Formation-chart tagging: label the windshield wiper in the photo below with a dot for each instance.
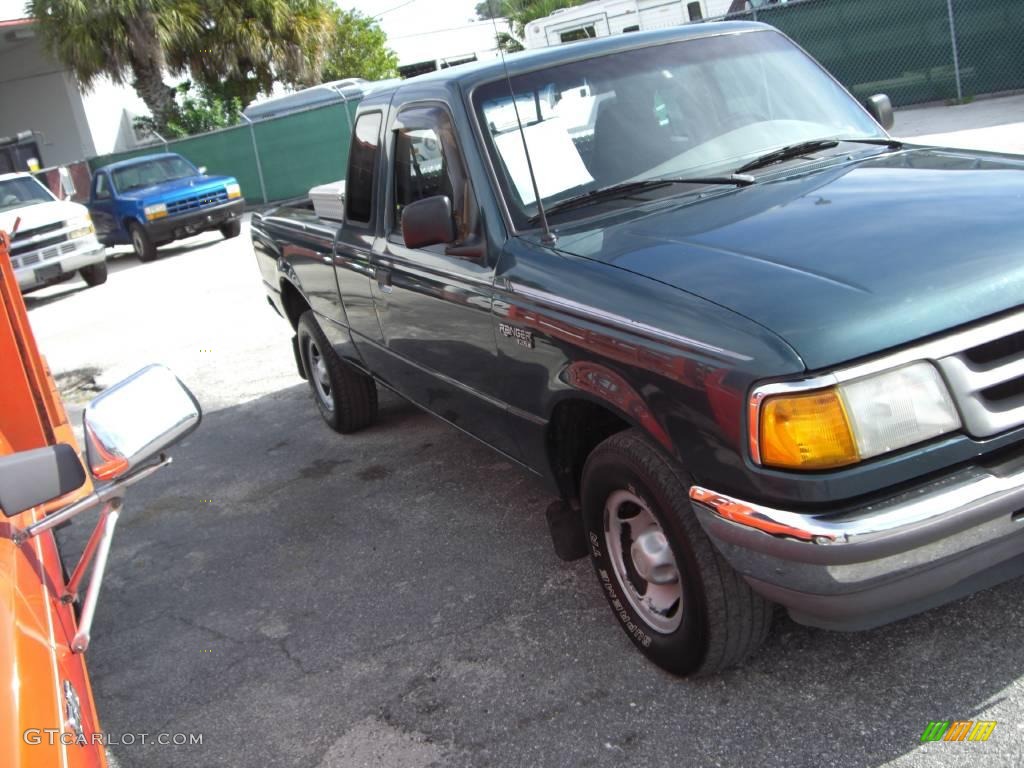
(785, 153)
(616, 190)
(885, 142)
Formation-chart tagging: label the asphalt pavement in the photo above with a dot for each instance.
(294, 597)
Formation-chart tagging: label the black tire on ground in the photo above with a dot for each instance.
(231, 229)
(142, 243)
(94, 274)
(346, 397)
(632, 490)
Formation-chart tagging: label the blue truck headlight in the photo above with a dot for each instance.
(233, 190)
(157, 211)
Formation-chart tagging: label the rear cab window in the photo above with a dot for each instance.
(361, 180)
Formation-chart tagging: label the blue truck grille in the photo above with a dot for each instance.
(197, 202)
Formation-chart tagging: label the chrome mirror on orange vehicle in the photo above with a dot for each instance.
(136, 419)
(127, 428)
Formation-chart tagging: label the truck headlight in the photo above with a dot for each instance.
(80, 227)
(234, 190)
(157, 211)
(854, 420)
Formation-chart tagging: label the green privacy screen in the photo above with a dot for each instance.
(904, 48)
(296, 152)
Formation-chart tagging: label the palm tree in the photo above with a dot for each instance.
(244, 47)
(123, 39)
(232, 47)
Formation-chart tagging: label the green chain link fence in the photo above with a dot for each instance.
(273, 160)
(913, 50)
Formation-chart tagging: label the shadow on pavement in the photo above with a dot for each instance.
(293, 594)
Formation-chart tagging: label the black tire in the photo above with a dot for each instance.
(721, 620)
(142, 243)
(346, 397)
(231, 229)
(94, 274)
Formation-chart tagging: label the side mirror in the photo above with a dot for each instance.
(428, 222)
(202, 170)
(136, 419)
(31, 478)
(881, 109)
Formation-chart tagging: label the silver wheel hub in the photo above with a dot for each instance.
(321, 378)
(643, 562)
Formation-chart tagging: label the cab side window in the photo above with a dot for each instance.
(420, 168)
(428, 164)
(102, 187)
(362, 167)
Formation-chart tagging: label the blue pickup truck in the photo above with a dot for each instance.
(150, 201)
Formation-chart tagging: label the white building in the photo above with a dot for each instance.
(37, 94)
(613, 17)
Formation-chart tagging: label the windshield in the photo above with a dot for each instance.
(153, 172)
(15, 193)
(690, 108)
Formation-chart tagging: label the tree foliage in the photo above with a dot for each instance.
(243, 48)
(199, 110)
(232, 48)
(520, 13)
(358, 48)
(488, 9)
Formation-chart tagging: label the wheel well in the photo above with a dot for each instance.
(293, 302)
(576, 428)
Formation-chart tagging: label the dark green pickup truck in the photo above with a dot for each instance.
(764, 352)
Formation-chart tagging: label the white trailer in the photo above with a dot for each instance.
(614, 17)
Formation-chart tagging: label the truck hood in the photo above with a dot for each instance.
(841, 262)
(177, 189)
(41, 214)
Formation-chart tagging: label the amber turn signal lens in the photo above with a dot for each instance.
(806, 431)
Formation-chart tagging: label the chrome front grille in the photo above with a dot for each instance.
(986, 377)
(196, 202)
(44, 254)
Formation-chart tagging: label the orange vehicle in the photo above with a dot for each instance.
(47, 711)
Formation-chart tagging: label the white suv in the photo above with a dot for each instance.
(55, 238)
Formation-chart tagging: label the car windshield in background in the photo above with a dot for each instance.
(152, 172)
(692, 108)
(14, 193)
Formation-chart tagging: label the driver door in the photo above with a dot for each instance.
(101, 208)
(434, 302)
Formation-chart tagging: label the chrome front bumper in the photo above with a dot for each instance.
(879, 562)
(87, 251)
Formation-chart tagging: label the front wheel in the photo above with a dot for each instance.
(231, 229)
(345, 397)
(142, 243)
(94, 274)
(679, 601)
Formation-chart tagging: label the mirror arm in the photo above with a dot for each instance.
(98, 548)
(473, 248)
(113, 490)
